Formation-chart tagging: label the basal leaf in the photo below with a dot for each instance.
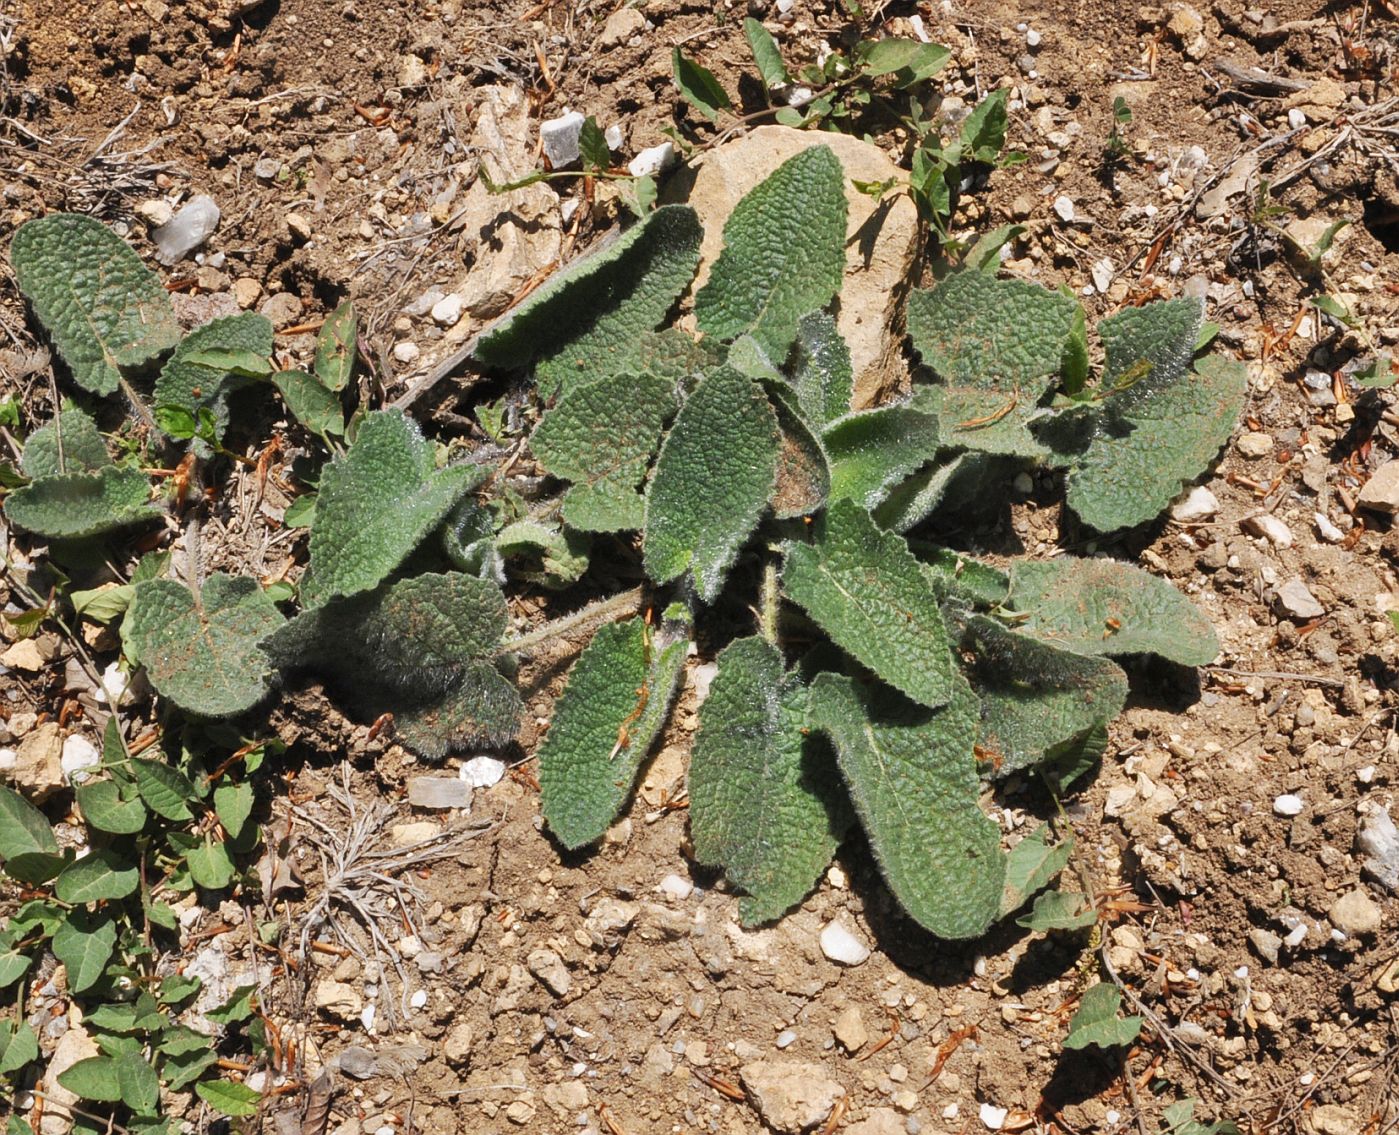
(1101, 606)
(561, 556)
(482, 708)
(698, 86)
(765, 54)
(764, 799)
(23, 828)
(713, 479)
(376, 505)
(863, 588)
(202, 651)
(18, 1047)
(69, 443)
(104, 308)
(96, 876)
(907, 505)
(1148, 348)
(961, 577)
(909, 60)
(1032, 865)
(913, 778)
(1096, 1022)
(591, 320)
(137, 1084)
(13, 966)
(784, 254)
(77, 505)
(872, 451)
(84, 942)
(335, 348)
(602, 436)
(315, 406)
(823, 376)
(189, 383)
(603, 727)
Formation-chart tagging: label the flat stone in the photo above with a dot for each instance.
(567, 1098)
(1355, 912)
(620, 27)
(551, 972)
(1266, 943)
(446, 311)
(483, 772)
(1296, 601)
(790, 1095)
(338, 1000)
(1268, 526)
(24, 655)
(457, 1045)
(849, 1029)
(1377, 840)
(1333, 1119)
(1327, 530)
(73, 1045)
(37, 772)
(559, 138)
(246, 291)
(283, 309)
(1199, 504)
(1288, 804)
(439, 792)
(406, 835)
(881, 246)
(1381, 491)
(1254, 444)
(880, 1121)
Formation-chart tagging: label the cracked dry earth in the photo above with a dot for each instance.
(1236, 825)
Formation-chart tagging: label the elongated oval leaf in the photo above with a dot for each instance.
(96, 876)
(233, 804)
(764, 799)
(137, 1083)
(1059, 910)
(482, 708)
(765, 54)
(69, 443)
(228, 1098)
(823, 375)
(913, 778)
(335, 347)
(76, 505)
(104, 308)
(784, 254)
(713, 479)
(864, 588)
(192, 379)
(1032, 865)
(93, 1079)
(872, 451)
(803, 471)
(23, 828)
(310, 403)
(165, 789)
(209, 864)
(698, 85)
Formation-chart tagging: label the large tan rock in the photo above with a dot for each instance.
(881, 238)
(74, 1045)
(37, 772)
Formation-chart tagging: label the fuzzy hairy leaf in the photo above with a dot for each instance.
(104, 308)
(986, 420)
(784, 254)
(1148, 348)
(377, 503)
(591, 319)
(907, 505)
(1140, 458)
(962, 577)
(187, 382)
(863, 587)
(202, 652)
(1100, 606)
(68, 443)
(872, 451)
(76, 505)
(602, 436)
(713, 479)
(603, 727)
(1035, 696)
(823, 375)
(562, 556)
(764, 798)
(1096, 1022)
(913, 778)
(483, 709)
(803, 472)
(674, 355)
(1032, 865)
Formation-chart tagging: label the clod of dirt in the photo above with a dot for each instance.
(1297, 602)
(849, 1029)
(24, 655)
(1333, 1119)
(881, 1121)
(336, 999)
(458, 1045)
(1355, 913)
(1254, 445)
(790, 1095)
(882, 238)
(549, 968)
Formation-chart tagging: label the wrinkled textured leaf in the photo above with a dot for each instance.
(104, 308)
(784, 254)
(82, 504)
(96, 876)
(603, 727)
(376, 504)
(189, 384)
(803, 473)
(1032, 865)
(1096, 1022)
(69, 443)
(1059, 910)
(912, 776)
(713, 479)
(602, 436)
(764, 798)
(482, 709)
(872, 451)
(562, 556)
(84, 942)
(909, 504)
(1163, 439)
(335, 348)
(863, 587)
(1035, 696)
(1148, 348)
(202, 651)
(310, 403)
(1100, 606)
(591, 319)
(823, 375)
(964, 578)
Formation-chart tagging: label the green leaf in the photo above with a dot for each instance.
(1096, 1022)
(82, 504)
(803, 475)
(602, 436)
(105, 811)
(872, 451)
(1032, 865)
(964, 578)
(909, 504)
(1148, 348)
(188, 382)
(376, 505)
(335, 349)
(210, 865)
(482, 709)
(102, 604)
(137, 1083)
(1059, 910)
(766, 54)
(863, 588)
(913, 778)
(984, 131)
(202, 651)
(239, 1007)
(1138, 463)
(96, 876)
(1379, 374)
(104, 309)
(1034, 696)
(615, 702)
(84, 942)
(592, 319)
(764, 801)
(165, 789)
(592, 143)
(233, 804)
(23, 828)
(823, 376)
(784, 254)
(69, 443)
(713, 479)
(228, 1098)
(17, 1048)
(562, 555)
(35, 868)
(313, 405)
(1102, 606)
(908, 60)
(93, 1079)
(1074, 367)
(13, 966)
(698, 86)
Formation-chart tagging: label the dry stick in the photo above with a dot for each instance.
(1279, 676)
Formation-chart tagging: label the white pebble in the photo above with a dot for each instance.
(613, 137)
(676, 886)
(1032, 38)
(419, 999)
(840, 945)
(1366, 774)
(559, 137)
(1326, 530)
(406, 352)
(1288, 804)
(1269, 527)
(1299, 932)
(447, 310)
(1102, 273)
(652, 160)
(366, 1018)
(951, 1111)
(79, 755)
(1112, 1117)
(800, 96)
(1197, 505)
(1064, 207)
(785, 1038)
(482, 772)
(186, 230)
(994, 1117)
(1296, 119)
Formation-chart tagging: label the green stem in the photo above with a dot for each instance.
(605, 610)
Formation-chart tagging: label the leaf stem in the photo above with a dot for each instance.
(605, 610)
(767, 624)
